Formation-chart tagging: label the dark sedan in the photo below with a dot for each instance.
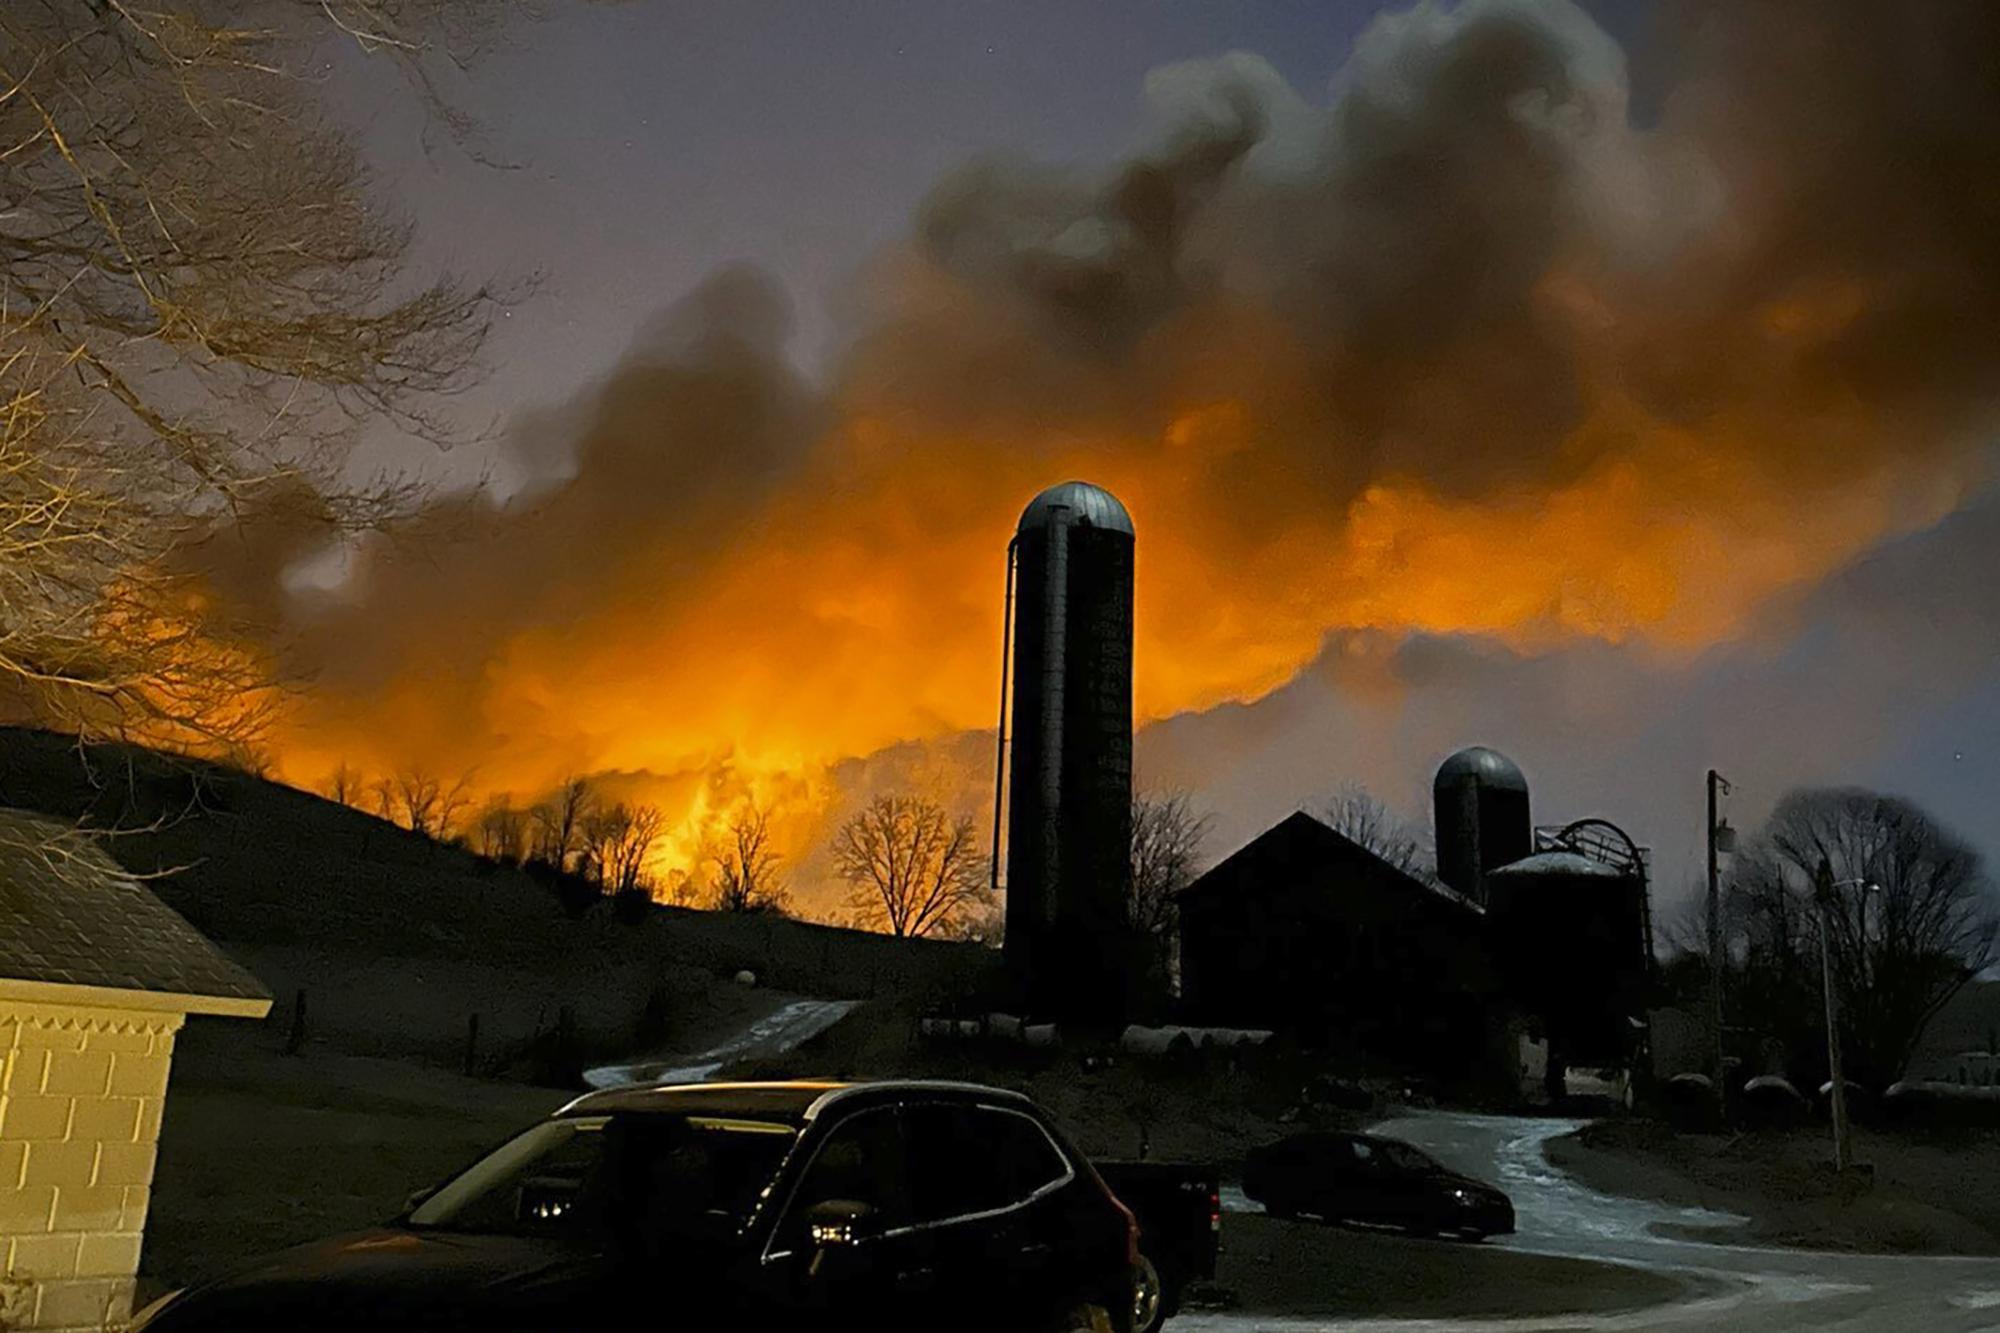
(1363, 1178)
(749, 1206)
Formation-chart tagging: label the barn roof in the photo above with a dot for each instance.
(70, 917)
(1301, 835)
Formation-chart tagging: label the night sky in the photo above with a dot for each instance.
(630, 151)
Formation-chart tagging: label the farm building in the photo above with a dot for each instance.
(96, 977)
(1528, 932)
(1307, 931)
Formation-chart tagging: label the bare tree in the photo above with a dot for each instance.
(559, 821)
(909, 866)
(343, 785)
(615, 843)
(1356, 815)
(743, 868)
(424, 803)
(198, 301)
(680, 888)
(1167, 837)
(1912, 918)
(247, 755)
(382, 794)
(643, 826)
(503, 832)
(598, 833)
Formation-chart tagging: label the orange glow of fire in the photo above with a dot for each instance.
(862, 608)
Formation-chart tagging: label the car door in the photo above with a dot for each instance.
(1316, 1167)
(1364, 1192)
(985, 1184)
(878, 1280)
(1395, 1192)
(1410, 1182)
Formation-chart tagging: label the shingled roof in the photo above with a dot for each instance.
(70, 917)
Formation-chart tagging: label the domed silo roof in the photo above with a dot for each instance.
(1090, 504)
(1481, 767)
(1557, 863)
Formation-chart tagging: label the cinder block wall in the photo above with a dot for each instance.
(80, 1098)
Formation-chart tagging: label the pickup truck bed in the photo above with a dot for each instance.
(1179, 1209)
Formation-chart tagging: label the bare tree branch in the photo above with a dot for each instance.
(558, 824)
(199, 302)
(911, 868)
(1167, 837)
(423, 803)
(744, 869)
(1356, 815)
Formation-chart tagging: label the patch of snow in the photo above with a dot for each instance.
(779, 1031)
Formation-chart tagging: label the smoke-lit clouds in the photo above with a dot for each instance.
(1451, 384)
(1883, 657)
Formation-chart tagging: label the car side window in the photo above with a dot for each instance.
(863, 1159)
(1363, 1154)
(974, 1159)
(1026, 1160)
(1408, 1160)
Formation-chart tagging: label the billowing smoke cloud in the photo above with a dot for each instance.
(1456, 367)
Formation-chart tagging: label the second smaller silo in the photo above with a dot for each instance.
(1480, 798)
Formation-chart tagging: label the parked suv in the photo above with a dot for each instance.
(904, 1205)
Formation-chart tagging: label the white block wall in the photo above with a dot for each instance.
(80, 1097)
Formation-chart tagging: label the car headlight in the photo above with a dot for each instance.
(1465, 1197)
(152, 1311)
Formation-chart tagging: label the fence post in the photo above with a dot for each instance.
(471, 1044)
(296, 1038)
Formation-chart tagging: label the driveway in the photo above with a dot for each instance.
(1748, 1287)
(774, 1034)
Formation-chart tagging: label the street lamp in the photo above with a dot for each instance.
(1824, 885)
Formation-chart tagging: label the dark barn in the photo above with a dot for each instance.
(1545, 932)
(1307, 931)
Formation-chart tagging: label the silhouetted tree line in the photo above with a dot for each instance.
(579, 845)
(1912, 917)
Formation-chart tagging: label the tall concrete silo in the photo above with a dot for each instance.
(1069, 744)
(1483, 821)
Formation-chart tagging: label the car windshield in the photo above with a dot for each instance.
(595, 1178)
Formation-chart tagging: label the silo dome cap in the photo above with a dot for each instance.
(1089, 504)
(1483, 767)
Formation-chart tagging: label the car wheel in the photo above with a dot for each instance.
(1149, 1297)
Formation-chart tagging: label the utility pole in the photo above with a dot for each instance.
(1823, 896)
(1716, 783)
(1824, 887)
